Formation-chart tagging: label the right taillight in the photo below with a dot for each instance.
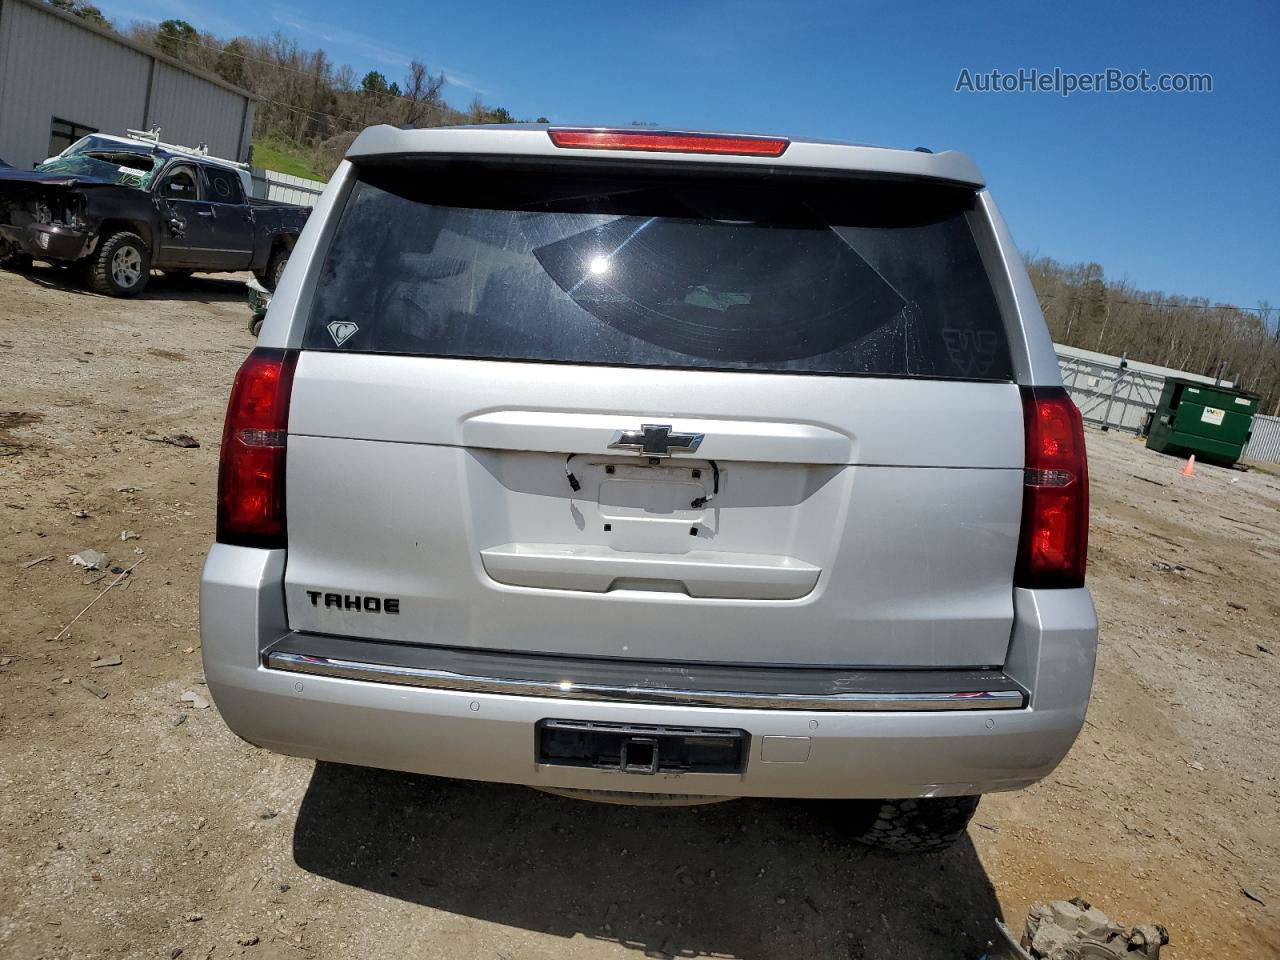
(251, 467)
(1055, 497)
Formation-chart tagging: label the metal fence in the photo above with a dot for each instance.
(1109, 391)
(269, 185)
(1115, 393)
(1264, 444)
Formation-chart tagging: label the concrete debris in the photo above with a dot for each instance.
(1252, 896)
(197, 702)
(249, 940)
(5, 661)
(1195, 765)
(129, 535)
(1075, 930)
(93, 688)
(112, 661)
(194, 917)
(81, 514)
(180, 719)
(89, 559)
(128, 488)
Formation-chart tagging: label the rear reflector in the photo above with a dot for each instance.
(1055, 500)
(252, 462)
(652, 142)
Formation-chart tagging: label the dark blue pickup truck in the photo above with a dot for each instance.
(119, 209)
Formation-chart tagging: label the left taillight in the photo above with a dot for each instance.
(251, 467)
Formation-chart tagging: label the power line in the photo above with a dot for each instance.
(1166, 306)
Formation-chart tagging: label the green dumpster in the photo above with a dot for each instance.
(1211, 422)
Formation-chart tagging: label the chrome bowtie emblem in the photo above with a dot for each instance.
(655, 440)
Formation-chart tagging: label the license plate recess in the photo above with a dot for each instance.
(641, 748)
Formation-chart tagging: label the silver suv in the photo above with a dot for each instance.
(657, 466)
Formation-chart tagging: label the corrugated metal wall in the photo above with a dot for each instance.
(1264, 444)
(1108, 395)
(270, 185)
(51, 68)
(191, 110)
(53, 65)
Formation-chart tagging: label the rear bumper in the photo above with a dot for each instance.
(491, 735)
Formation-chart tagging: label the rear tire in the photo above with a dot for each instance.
(121, 266)
(270, 277)
(917, 825)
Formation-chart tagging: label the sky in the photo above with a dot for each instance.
(1170, 191)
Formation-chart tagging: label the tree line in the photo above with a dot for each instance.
(1084, 309)
(304, 97)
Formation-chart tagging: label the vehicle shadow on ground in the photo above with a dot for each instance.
(200, 289)
(748, 878)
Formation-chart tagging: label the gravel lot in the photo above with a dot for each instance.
(134, 825)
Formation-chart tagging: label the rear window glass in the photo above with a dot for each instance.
(728, 273)
(224, 186)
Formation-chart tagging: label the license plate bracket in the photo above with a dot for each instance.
(641, 749)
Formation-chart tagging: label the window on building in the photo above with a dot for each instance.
(63, 133)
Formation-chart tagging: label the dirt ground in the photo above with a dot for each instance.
(136, 826)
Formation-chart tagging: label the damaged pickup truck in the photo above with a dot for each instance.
(117, 209)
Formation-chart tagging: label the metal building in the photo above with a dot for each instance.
(61, 78)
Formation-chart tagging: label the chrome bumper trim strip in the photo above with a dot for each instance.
(568, 690)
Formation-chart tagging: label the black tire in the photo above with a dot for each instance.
(121, 265)
(11, 258)
(255, 325)
(275, 267)
(921, 825)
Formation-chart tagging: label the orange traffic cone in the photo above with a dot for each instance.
(1190, 469)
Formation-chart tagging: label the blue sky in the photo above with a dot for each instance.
(1172, 191)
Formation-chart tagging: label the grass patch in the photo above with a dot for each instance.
(284, 156)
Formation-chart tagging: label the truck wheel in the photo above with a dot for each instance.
(121, 266)
(11, 258)
(919, 825)
(270, 277)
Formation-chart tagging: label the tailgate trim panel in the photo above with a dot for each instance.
(646, 682)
